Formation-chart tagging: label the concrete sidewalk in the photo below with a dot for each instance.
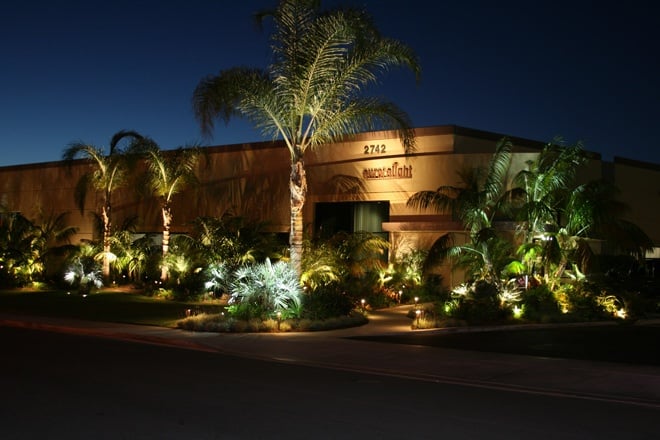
(622, 383)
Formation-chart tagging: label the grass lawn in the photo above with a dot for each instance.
(637, 344)
(109, 306)
(614, 343)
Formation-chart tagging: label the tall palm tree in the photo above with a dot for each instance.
(483, 194)
(311, 93)
(169, 173)
(107, 174)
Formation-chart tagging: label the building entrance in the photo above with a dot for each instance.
(331, 218)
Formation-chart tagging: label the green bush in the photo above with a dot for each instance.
(221, 324)
(188, 287)
(478, 304)
(263, 290)
(84, 274)
(584, 303)
(325, 302)
(540, 305)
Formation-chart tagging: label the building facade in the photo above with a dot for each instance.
(359, 184)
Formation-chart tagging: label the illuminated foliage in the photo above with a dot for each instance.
(311, 93)
(168, 173)
(265, 289)
(107, 173)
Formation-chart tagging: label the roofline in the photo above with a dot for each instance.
(636, 163)
(450, 129)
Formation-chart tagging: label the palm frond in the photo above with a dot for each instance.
(233, 92)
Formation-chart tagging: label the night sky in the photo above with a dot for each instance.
(83, 70)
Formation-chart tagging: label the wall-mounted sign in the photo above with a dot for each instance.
(396, 171)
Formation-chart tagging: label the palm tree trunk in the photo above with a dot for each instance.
(167, 222)
(298, 189)
(105, 216)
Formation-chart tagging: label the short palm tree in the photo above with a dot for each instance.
(108, 172)
(169, 173)
(17, 247)
(52, 239)
(132, 254)
(557, 215)
(312, 92)
(593, 210)
(544, 186)
(235, 240)
(265, 289)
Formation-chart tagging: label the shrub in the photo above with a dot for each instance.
(189, 286)
(220, 323)
(84, 274)
(540, 305)
(262, 290)
(584, 303)
(478, 303)
(326, 302)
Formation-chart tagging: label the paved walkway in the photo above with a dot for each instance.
(627, 384)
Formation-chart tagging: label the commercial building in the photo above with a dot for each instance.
(359, 184)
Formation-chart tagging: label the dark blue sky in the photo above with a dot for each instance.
(83, 70)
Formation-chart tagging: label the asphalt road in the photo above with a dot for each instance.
(58, 386)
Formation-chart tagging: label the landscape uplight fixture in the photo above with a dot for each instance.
(517, 312)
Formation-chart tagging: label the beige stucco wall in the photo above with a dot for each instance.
(42, 190)
(639, 186)
(252, 180)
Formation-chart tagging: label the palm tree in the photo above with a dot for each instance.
(17, 250)
(559, 216)
(543, 187)
(108, 173)
(310, 94)
(594, 211)
(482, 196)
(132, 254)
(591, 211)
(235, 240)
(168, 174)
(52, 239)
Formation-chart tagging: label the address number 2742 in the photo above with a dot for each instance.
(375, 149)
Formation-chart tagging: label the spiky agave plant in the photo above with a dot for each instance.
(265, 289)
